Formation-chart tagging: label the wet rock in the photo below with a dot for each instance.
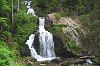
(64, 53)
(42, 64)
(74, 30)
(56, 60)
(52, 17)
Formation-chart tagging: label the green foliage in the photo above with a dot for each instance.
(3, 23)
(4, 7)
(56, 28)
(5, 35)
(96, 60)
(85, 19)
(19, 65)
(96, 24)
(24, 25)
(92, 19)
(58, 16)
(71, 45)
(45, 6)
(46, 3)
(52, 6)
(7, 56)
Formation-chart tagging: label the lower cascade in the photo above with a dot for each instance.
(46, 43)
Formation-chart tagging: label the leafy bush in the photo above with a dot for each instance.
(56, 28)
(7, 33)
(3, 23)
(7, 56)
(6, 36)
(4, 7)
(71, 45)
(24, 25)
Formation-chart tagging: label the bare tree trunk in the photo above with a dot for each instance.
(12, 18)
(1, 28)
(18, 6)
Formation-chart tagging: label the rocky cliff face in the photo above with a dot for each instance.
(72, 29)
(71, 34)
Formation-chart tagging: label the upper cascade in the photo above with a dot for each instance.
(29, 8)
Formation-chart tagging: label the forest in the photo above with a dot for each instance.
(74, 24)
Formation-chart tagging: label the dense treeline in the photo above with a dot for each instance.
(14, 30)
(13, 33)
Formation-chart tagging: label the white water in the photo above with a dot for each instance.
(46, 41)
(89, 61)
(30, 10)
(46, 44)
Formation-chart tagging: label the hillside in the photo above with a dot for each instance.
(74, 24)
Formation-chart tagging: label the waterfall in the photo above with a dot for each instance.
(46, 43)
(29, 43)
(45, 39)
(30, 9)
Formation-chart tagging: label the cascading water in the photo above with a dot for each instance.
(46, 44)
(30, 10)
(46, 41)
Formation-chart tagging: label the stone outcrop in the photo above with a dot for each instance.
(73, 29)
